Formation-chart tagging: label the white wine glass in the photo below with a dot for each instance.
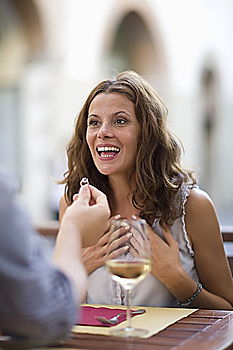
(130, 268)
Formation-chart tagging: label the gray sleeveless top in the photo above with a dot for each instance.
(102, 289)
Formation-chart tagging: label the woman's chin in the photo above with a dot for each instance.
(106, 171)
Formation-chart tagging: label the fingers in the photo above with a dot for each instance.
(115, 233)
(117, 243)
(133, 251)
(115, 253)
(84, 195)
(89, 193)
(75, 196)
(104, 239)
(139, 244)
(134, 217)
(115, 217)
(98, 196)
(170, 240)
(134, 242)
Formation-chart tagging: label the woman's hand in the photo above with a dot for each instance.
(166, 265)
(106, 248)
(165, 258)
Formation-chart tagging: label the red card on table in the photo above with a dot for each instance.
(88, 315)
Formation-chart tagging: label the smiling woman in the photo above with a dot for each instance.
(122, 144)
(112, 134)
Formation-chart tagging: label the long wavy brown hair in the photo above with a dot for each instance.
(158, 173)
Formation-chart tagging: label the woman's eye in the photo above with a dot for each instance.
(93, 122)
(120, 121)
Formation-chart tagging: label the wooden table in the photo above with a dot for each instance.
(202, 330)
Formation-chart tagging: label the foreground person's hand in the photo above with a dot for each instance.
(80, 220)
(90, 211)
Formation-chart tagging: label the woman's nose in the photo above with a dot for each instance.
(105, 131)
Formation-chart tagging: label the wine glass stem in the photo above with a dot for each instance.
(128, 311)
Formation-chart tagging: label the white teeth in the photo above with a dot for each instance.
(108, 149)
(106, 155)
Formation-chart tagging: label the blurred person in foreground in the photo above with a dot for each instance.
(40, 295)
(122, 143)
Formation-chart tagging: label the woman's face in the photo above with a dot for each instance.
(112, 133)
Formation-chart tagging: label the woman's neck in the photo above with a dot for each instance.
(121, 199)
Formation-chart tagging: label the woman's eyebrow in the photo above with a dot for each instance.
(92, 115)
(114, 114)
(124, 112)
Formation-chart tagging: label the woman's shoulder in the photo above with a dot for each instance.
(193, 194)
(199, 199)
(196, 202)
(201, 217)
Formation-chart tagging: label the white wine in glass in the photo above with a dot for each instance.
(129, 273)
(130, 269)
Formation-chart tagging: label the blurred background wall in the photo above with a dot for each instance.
(52, 52)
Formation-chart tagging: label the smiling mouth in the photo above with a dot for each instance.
(107, 152)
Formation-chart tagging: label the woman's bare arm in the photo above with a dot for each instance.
(210, 259)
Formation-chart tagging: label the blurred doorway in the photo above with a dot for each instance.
(135, 47)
